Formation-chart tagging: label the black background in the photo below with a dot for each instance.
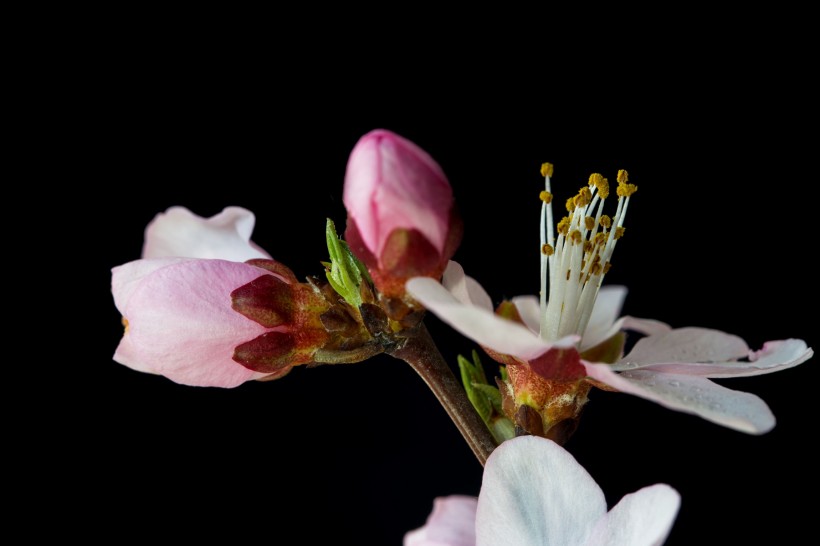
(721, 234)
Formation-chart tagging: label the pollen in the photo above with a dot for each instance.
(547, 250)
(605, 221)
(546, 197)
(595, 179)
(570, 204)
(125, 324)
(623, 177)
(576, 236)
(563, 225)
(625, 190)
(589, 222)
(583, 198)
(619, 232)
(546, 169)
(603, 187)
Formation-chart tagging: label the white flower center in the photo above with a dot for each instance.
(574, 265)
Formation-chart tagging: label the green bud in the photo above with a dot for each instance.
(345, 272)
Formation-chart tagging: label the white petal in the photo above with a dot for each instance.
(606, 309)
(642, 518)
(452, 523)
(465, 289)
(535, 493)
(180, 232)
(126, 278)
(691, 394)
(479, 324)
(530, 310)
(647, 327)
(773, 357)
(685, 345)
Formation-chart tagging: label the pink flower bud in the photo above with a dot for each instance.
(402, 221)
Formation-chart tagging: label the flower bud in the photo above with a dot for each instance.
(402, 221)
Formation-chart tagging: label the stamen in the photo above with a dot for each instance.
(546, 197)
(547, 250)
(546, 170)
(590, 222)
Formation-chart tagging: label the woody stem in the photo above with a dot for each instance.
(421, 353)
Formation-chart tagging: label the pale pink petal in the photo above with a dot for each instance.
(530, 310)
(465, 289)
(127, 277)
(180, 232)
(452, 523)
(390, 183)
(642, 518)
(773, 357)
(607, 307)
(180, 320)
(479, 324)
(685, 345)
(647, 327)
(691, 394)
(535, 493)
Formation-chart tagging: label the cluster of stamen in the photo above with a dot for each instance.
(574, 262)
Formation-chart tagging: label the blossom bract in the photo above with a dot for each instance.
(402, 220)
(534, 493)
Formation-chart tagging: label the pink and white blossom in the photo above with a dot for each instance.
(534, 493)
(401, 220)
(176, 301)
(575, 314)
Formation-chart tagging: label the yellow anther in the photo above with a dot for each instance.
(600, 238)
(546, 197)
(570, 204)
(547, 250)
(625, 190)
(595, 269)
(595, 179)
(575, 236)
(607, 267)
(587, 247)
(568, 272)
(563, 225)
(583, 198)
(605, 221)
(623, 177)
(619, 232)
(603, 188)
(546, 169)
(125, 324)
(589, 222)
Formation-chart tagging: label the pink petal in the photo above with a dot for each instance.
(775, 356)
(685, 345)
(529, 308)
(642, 518)
(452, 523)
(691, 394)
(606, 309)
(180, 320)
(535, 493)
(479, 324)
(465, 289)
(391, 183)
(179, 232)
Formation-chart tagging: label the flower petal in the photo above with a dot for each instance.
(479, 324)
(180, 232)
(606, 309)
(773, 357)
(180, 322)
(465, 289)
(535, 493)
(684, 345)
(529, 308)
(452, 523)
(644, 517)
(691, 394)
